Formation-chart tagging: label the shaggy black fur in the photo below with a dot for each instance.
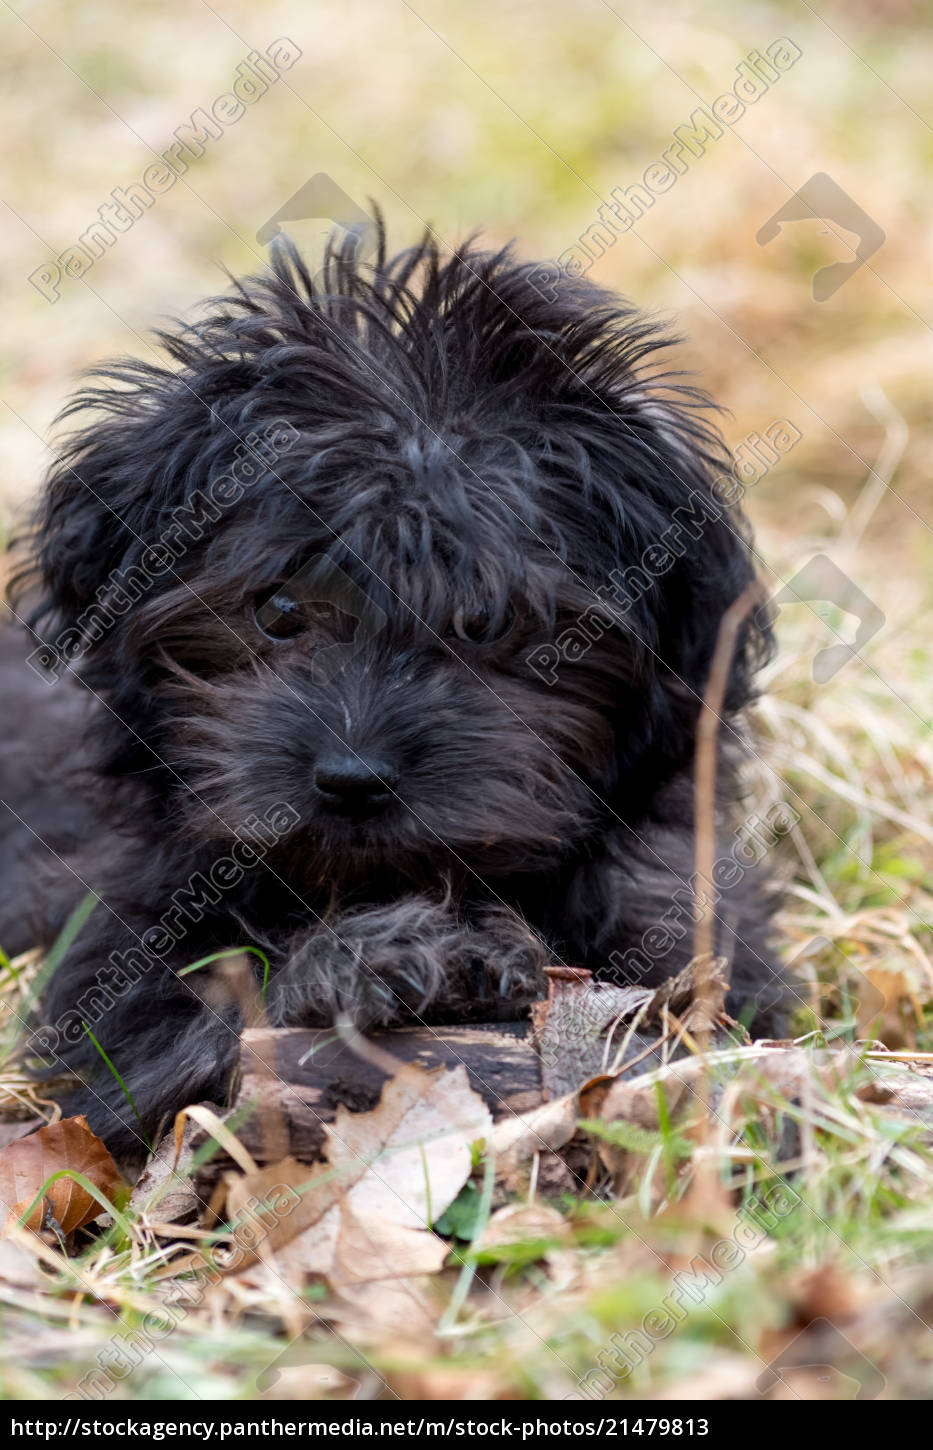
(442, 468)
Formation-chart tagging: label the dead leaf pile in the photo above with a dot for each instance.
(367, 1211)
(383, 1221)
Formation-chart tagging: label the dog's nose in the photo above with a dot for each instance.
(351, 785)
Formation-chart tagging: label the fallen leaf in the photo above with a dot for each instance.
(345, 1249)
(303, 1380)
(525, 1233)
(568, 1029)
(411, 1154)
(18, 1266)
(724, 1376)
(888, 1006)
(439, 1381)
(582, 1026)
(826, 1292)
(400, 1307)
(26, 1165)
(517, 1138)
(706, 1210)
(365, 1213)
(164, 1190)
(524, 1223)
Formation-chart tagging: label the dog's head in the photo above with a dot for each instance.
(434, 558)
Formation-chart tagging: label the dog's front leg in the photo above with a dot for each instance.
(140, 1040)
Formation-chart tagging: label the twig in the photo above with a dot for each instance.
(710, 996)
(705, 797)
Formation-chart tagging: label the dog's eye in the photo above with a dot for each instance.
(279, 615)
(480, 627)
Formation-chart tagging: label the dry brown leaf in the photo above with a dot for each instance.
(344, 1250)
(364, 1213)
(583, 1024)
(724, 1376)
(569, 1028)
(522, 1223)
(400, 1307)
(828, 1292)
(707, 1208)
(417, 1140)
(163, 1189)
(26, 1164)
(303, 1381)
(446, 1382)
(888, 1006)
(516, 1139)
(20, 1267)
(369, 1249)
(11, 1131)
(535, 1223)
(635, 1100)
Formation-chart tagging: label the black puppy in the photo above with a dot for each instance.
(396, 598)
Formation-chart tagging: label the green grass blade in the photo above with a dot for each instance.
(233, 952)
(123, 1087)
(63, 943)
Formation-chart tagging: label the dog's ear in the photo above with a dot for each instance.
(663, 504)
(153, 436)
(679, 555)
(143, 450)
(702, 560)
(658, 472)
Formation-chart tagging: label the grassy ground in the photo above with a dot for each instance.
(521, 118)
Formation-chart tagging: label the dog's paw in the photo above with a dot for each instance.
(413, 960)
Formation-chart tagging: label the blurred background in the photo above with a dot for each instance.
(521, 120)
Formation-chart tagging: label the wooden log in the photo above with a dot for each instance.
(292, 1081)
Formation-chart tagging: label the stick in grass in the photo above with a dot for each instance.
(709, 996)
